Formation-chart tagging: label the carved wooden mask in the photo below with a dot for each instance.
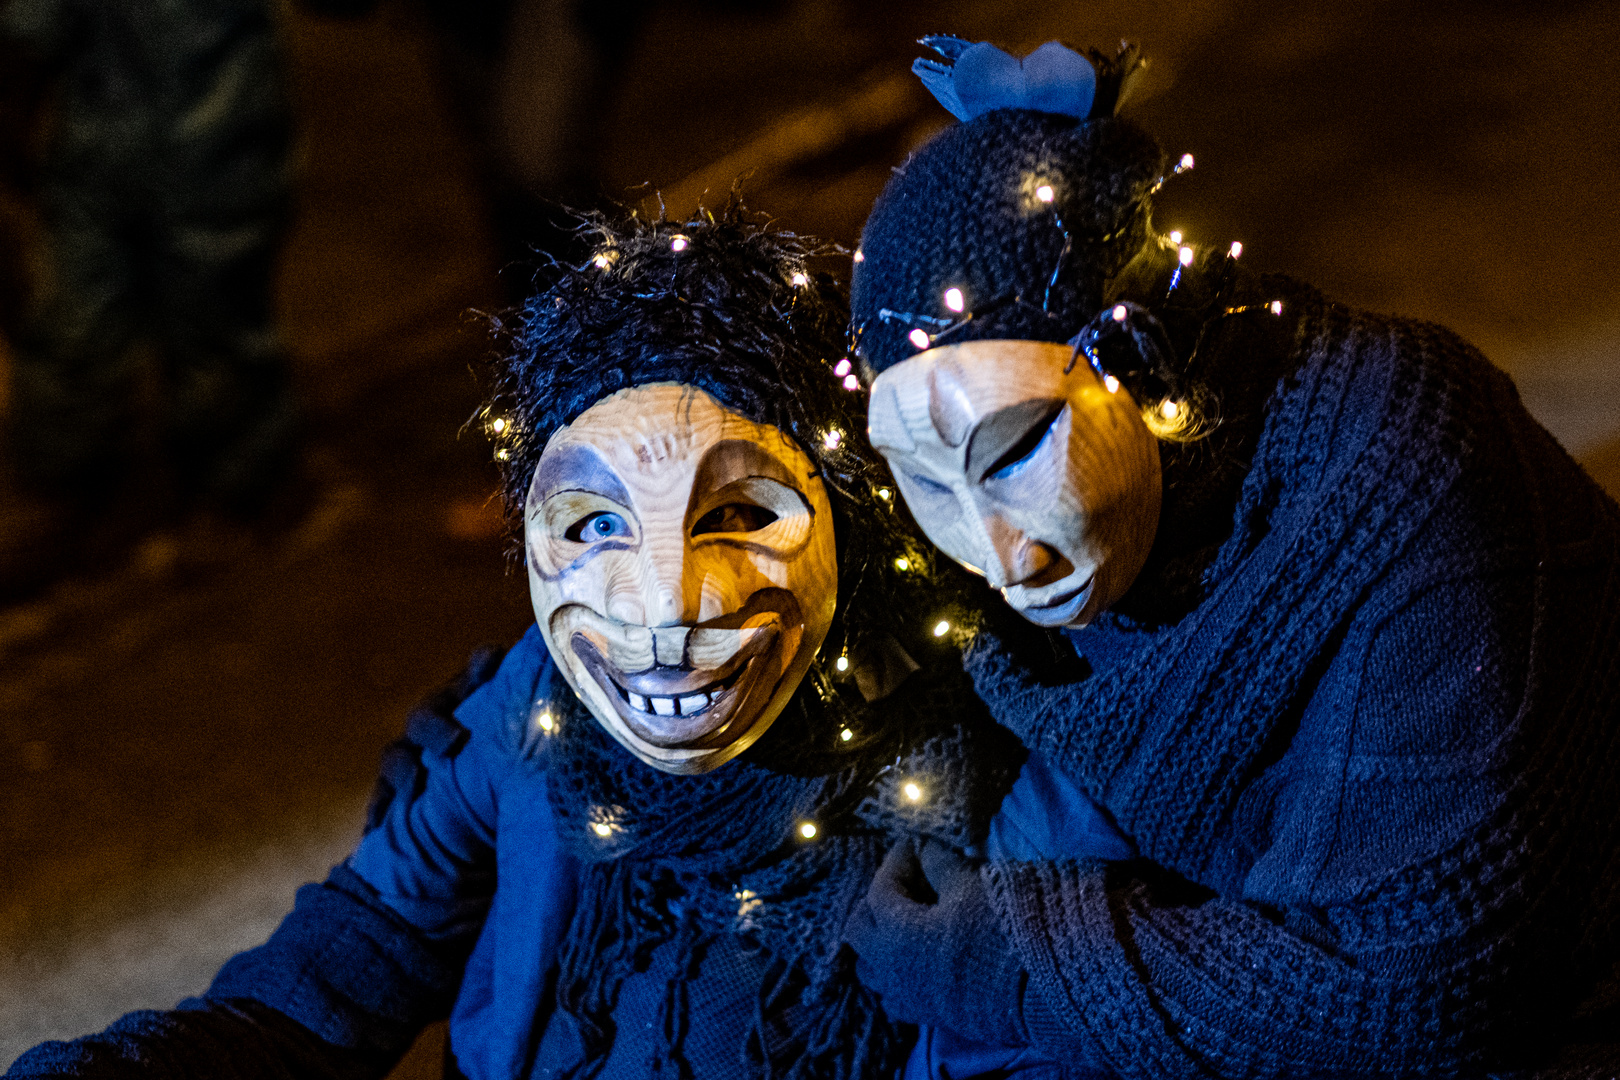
(1046, 483)
(683, 571)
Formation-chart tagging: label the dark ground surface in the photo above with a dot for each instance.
(186, 739)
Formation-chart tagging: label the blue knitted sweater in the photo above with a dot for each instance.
(1372, 770)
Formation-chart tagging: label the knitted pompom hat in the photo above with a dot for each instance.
(1010, 224)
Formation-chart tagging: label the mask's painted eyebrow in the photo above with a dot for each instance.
(733, 459)
(577, 468)
(1014, 428)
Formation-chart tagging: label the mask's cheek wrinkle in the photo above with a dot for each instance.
(777, 572)
(969, 540)
(731, 574)
(710, 584)
(791, 532)
(717, 596)
(616, 590)
(936, 512)
(535, 552)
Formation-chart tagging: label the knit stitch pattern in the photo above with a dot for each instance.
(1286, 930)
(964, 213)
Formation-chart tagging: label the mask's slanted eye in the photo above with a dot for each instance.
(1021, 452)
(733, 518)
(601, 525)
(927, 486)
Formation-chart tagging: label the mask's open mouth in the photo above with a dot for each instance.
(687, 704)
(725, 676)
(1061, 604)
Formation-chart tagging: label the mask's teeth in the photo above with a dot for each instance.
(637, 702)
(663, 706)
(693, 704)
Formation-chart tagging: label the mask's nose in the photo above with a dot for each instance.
(1016, 559)
(663, 586)
(653, 591)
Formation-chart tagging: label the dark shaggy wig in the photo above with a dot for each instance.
(733, 307)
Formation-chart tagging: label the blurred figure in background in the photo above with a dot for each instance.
(164, 195)
(531, 82)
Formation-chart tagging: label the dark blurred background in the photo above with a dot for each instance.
(189, 727)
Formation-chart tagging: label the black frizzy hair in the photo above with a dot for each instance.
(730, 305)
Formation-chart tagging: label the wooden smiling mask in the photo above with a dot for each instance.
(683, 570)
(717, 557)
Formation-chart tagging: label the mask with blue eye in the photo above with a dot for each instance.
(683, 571)
(599, 526)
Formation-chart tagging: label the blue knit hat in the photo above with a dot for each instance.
(1009, 224)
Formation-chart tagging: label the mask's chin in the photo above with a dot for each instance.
(1062, 603)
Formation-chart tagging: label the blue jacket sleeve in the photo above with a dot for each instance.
(1047, 815)
(375, 953)
(220, 1040)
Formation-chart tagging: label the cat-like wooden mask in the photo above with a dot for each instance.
(1045, 481)
(683, 571)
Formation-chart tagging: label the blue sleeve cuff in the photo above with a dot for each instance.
(347, 968)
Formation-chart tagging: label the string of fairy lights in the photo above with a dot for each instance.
(1167, 418)
(1162, 418)
(607, 822)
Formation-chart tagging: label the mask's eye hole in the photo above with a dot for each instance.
(601, 525)
(1019, 454)
(733, 518)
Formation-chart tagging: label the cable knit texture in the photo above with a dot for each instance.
(1372, 771)
(964, 213)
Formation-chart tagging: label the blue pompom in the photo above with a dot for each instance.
(982, 78)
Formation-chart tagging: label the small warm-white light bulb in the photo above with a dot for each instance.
(842, 663)
(603, 260)
(677, 243)
(851, 383)
(1045, 193)
(885, 494)
(1120, 311)
(841, 368)
(918, 337)
(832, 439)
(902, 563)
(1186, 256)
(860, 256)
(845, 735)
(1175, 236)
(1237, 248)
(808, 830)
(941, 628)
(1169, 409)
(1276, 307)
(1185, 163)
(913, 792)
(498, 424)
(503, 454)
(602, 829)
(547, 723)
(800, 279)
(1111, 383)
(954, 299)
